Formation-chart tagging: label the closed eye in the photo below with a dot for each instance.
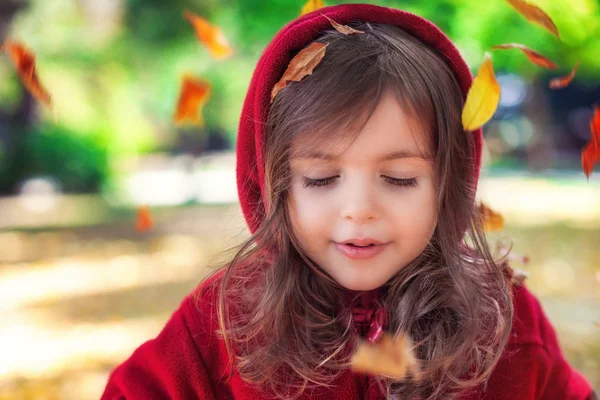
(411, 182)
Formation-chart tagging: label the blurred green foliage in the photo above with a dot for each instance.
(115, 67)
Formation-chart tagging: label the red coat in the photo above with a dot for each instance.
(187, 359)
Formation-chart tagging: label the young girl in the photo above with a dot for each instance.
(358, 185)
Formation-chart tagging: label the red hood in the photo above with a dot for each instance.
(289, 40)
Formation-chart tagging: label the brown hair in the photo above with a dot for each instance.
(281, 315)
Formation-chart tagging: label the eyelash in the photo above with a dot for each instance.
(412, 182)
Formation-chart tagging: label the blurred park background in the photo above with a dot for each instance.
(81, 288)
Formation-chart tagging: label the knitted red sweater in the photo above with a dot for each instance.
(187, 361)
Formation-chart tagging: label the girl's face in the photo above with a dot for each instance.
(381, 188)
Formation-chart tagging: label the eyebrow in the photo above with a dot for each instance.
(315, 154)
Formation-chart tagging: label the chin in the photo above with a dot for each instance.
(360, 285)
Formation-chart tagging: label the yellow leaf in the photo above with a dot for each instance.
(483, 97)
(391, 357)
(312, 5)
(492, 221)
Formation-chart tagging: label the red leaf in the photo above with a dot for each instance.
(562, 82)
(590, 155)
(535, 14)
(192, 97)
(533, 55)
(144, 219)
(24, 61)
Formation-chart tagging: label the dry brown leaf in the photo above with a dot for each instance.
(192, 97)
(590, 154)
(211, 36)
(345, 29)
(144, 220)
(311, 5)
(532, 55)
(492, 221)
(562, 82)
(483, 97)
(300, 66)
(535, 14)
(391, 357)
(24, 62)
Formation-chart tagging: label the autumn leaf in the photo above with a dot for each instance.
(492, 221)
(590, 154)
(144, 219)
(562, 82)
(535, 14)
(311, 5)
(24, 61)
(300, 66)
(345, 29)
(211, 36)
(391, 357)
(533, 55)
(483, 97)
(192, 97)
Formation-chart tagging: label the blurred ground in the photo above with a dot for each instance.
(76, 300)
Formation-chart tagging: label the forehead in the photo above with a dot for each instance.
(389, 134)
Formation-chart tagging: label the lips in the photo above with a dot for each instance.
(362, 242)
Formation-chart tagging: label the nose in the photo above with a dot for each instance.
(359, 204)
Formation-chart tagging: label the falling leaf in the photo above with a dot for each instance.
(492, 221)
(483, 97)
(311, 5)
(144, 219)
(590, 154)
(301, 65)
(24, 61)
(212, 37)
(345, 29)
(535, 14)
(533, 55)
(192, 97)
(562, 82)
(391, 357)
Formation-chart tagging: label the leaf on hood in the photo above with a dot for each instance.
(562, 82)
(311, 5)
(390, 356)
(533, 55)
(535, 14)
(212, 37)
(300, 66)
(24, 62)
(345, 29)
(144, 220)
(492, 221)
(483, 97)
(192, 97)
(590, 154)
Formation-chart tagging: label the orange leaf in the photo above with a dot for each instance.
(590, 154)
(483, 97)
(533, 55)
(535, 14)
(144, 219)
(492, 221)
(311, 5)
(562, 82)
(192, 97)
(345, 29)
(301, 65)
(212, 37)
(24, 61)
(391, 357)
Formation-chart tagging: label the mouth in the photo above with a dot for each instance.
(360, 252)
